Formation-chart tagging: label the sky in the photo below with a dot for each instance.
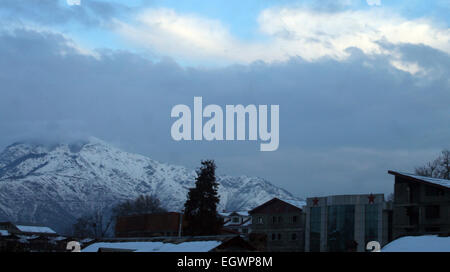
(363, 86)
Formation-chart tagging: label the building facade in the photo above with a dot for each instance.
(346, 222)
(281, 223)
(150, 225)
(421, 205)
(237, 221)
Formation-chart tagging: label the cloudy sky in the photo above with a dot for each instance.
(363, 86)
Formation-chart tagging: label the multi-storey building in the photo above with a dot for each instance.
(421, 205)
(346, 222)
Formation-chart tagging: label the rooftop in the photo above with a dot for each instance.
(436, 181)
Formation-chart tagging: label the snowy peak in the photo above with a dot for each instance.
(54, 184)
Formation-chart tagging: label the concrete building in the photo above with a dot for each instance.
(421, 205)
(346, 222)
(280, 224)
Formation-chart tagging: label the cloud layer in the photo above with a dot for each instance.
(343, 123)
(287, 32)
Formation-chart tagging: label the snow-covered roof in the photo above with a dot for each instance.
(195, 246)
(240, 213)
(35, 229)
(426, 243)
(296, 203)
(441, 182)
(243, 213)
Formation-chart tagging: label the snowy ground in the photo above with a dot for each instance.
(198, 246)
(426, 243)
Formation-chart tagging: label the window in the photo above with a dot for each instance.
(432, 212)
(294, 236)
(433, 191)
(245, 231)
(273, 236)
(279, 236)
(294, 219)
(371, 223)
(280, 219)
(235, 219)
(260, 220)
(433, 229)
(314, 236)
(274, 219)
(341, 227)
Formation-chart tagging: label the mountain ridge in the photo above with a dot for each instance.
(55, 184)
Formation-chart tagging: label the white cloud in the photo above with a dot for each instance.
(73, 2)
(290, 32)
(374, 2)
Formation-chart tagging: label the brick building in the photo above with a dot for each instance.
(280, 224)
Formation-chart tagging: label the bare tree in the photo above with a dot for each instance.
(95, 225)
(141, 205)
(99, 223)
(438, 168)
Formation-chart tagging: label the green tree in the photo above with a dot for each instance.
(201, 204)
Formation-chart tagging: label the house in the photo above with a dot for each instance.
(346, 222)
(150, 225)
(237, 221)
(280, 224)
(218, 243)
(27, 229)
(421, 205)
(16, 237)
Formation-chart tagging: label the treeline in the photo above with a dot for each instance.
(200, 209)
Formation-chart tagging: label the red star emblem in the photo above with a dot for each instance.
(371, 198)
(315, 201)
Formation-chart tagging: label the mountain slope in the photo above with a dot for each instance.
(54, 185)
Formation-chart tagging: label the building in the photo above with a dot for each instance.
(346, 222)
(18, 237)
(150, 225)
(280, 224)
(27, 229)
(421, 205)
(238, 221)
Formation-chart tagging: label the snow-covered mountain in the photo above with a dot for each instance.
(54, 185)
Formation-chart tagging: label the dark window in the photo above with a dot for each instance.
(279, 236)
(432, 212)
(235, 219)
(260, 220)
(244, 230)
(294, 236)
(274, 219)
(433, 191)
(273, 236)
(314, 236)
(433, 229)
(371, 223)
(294, 219)
(341, 227)
(280, 219)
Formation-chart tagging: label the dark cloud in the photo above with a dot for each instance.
(54, 12)
(342, 124)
